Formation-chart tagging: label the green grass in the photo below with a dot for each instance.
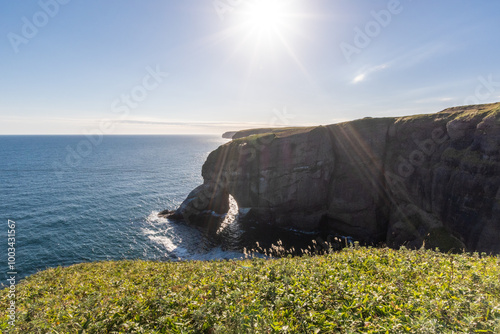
(466, 113)
(356, 290)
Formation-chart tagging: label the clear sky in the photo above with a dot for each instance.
(204, 66)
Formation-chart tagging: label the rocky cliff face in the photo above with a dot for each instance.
(403, 181)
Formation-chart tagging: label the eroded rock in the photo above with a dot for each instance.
(402, 181)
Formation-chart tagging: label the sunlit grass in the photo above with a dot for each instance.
(354, 290)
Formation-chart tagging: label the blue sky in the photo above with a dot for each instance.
(203, 66)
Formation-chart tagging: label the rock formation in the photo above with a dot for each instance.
(432, 179)
(229, 134)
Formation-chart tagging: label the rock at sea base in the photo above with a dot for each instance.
(432, 179)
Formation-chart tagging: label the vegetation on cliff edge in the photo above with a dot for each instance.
(361, 290)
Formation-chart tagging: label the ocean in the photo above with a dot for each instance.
(80, 199)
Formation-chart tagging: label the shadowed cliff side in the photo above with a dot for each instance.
(403, 181)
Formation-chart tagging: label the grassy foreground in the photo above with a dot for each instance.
(356, 290)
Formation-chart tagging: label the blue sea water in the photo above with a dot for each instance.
(78, 199)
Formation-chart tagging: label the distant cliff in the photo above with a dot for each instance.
(402, 181)
(229, 134)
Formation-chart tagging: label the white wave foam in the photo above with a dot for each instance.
(148, 232)
(183, 242)
(154, 218)
(171, 248)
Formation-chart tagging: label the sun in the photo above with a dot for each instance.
(266, 17)
(267, 26)
(266, 33)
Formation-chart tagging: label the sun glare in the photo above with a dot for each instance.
(268, 25)
(266, 31)
(266, 16)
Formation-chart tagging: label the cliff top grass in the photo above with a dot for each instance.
(356, 290)
(279, 132)
(467, 112)
(458, 113)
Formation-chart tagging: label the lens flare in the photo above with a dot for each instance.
(266, 16)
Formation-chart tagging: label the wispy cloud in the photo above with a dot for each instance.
(61, 125)
(364, 72)
(421, 54)
(404, 60)
(134, 121)
(192, 123)
(409, 58)
(435, 99)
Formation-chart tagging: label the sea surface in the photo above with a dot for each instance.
(79, 199)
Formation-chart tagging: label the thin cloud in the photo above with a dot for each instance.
(421, 54)
(435, 99)
(405, 60)
(362, 75)
(189, 123)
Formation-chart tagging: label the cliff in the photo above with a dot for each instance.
(229, 134)
(402, 181)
